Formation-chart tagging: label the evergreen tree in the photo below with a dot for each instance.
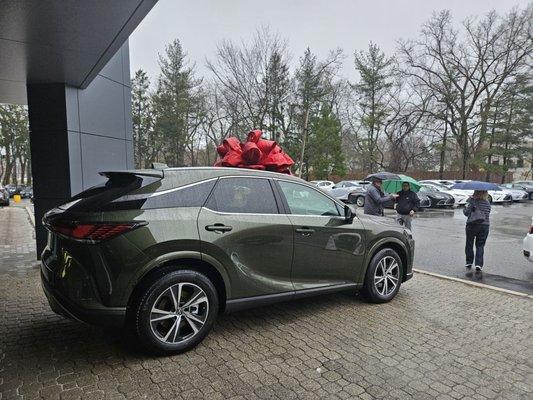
(145, 143)
(176, 103)
(326, 156)
(373, 90)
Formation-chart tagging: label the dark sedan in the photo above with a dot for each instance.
(438, 199)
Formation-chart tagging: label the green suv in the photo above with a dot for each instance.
(163, 252)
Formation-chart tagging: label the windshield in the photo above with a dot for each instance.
(425, 188)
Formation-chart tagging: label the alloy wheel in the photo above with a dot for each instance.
(386, 276)
(179, 313)
(360, 201)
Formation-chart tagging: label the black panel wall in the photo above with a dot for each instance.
(76, 133)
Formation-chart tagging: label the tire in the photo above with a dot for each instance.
(531, 196)
(374, 290)
(360, 201)
(195, 321)
(490, 199)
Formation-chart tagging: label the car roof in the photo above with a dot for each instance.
(175, 177)
(229, 171)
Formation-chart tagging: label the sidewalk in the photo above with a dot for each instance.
(437, 339)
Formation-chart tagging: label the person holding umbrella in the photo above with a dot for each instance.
(374, 197)
(477, 212)
(407, 204)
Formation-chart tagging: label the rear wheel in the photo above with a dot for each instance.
(383, 276)
(360, 201)
(489, 199)
(175, 312)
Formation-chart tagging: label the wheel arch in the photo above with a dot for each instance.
(175, 262)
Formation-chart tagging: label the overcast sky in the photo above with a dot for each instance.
(319, 24)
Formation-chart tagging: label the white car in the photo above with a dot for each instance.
(495, 196)
(528, 243)
(326, 185)
(516, 194)
(458, 195)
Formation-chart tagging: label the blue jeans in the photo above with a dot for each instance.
(476, 233)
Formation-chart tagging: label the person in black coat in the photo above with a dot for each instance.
(407, 204)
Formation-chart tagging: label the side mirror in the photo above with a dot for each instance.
(349, 214)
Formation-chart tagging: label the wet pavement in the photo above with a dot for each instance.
(440, 241)
(437, 339)
(17, 240)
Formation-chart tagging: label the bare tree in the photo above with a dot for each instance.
(467, 73)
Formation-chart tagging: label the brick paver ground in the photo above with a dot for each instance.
(437, 339)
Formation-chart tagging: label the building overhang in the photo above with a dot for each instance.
(50, 41)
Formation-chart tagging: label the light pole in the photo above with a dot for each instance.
(304, 141)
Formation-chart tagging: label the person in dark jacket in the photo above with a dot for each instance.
(407, 204)
(375, 198)
(477, 227)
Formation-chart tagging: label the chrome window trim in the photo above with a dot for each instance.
(278, 214)
(130, 197)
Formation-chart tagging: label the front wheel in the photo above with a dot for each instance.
(383, 276)
(175, 312)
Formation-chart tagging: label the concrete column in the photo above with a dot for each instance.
(76, 133)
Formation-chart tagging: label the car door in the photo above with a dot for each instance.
(327, 249)
(241, 227)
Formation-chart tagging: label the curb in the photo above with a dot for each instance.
(476, 284)
(30, 215)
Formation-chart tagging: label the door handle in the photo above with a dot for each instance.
(219, 228)
(305, 231)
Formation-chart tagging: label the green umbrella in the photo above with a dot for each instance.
(395, 185)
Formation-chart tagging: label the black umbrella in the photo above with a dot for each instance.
(383, 176)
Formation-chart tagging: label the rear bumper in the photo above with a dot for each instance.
(61, 305)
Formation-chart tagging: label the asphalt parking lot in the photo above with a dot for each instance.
(440, 241)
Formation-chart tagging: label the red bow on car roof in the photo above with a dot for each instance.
(255, 153)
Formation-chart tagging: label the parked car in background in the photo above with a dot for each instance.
(528, 243)
(425, 201)
(22, 190)
(326, 185)
(438, 199)
(446, 182)
(459, 197)
(516, 194)
(11, 189)
(26, 192)
(4, 196)
(527, 186)
(343, 189)
(246, 238)
(495, 196)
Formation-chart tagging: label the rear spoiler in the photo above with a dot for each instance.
(156, 173)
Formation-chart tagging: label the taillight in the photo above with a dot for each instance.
(92, 232)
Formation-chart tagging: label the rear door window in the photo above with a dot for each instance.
(243, 196)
